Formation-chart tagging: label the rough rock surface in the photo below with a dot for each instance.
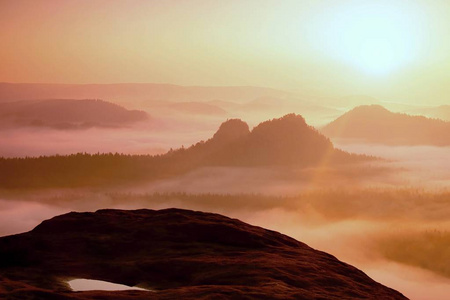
(178, 254)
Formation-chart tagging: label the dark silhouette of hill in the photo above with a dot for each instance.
(67, 114)
(178, 254)
(230, 131)
(287, 142)
(122, 93)
(375, 124)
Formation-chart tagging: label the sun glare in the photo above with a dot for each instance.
(375, 38)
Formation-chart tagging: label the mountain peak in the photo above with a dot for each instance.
(374, 108)
(376, 124)
(231, 130)
(284, 128)
(288, 140)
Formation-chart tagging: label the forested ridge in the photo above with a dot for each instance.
(287, 141)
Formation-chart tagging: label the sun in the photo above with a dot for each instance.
(377, 38)
(377, 56)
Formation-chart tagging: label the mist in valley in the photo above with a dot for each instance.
(387, 216)
(373, 229)
(326, 121)
(154, 136)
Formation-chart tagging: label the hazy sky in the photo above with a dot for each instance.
(394, 50)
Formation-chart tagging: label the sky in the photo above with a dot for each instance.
(393, 50)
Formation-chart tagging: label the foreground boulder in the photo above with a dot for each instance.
(177, 254)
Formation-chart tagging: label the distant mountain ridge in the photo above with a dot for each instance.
(376, 124)
(67, 114)
(439, 112)
(197, 108)
(177, 254)
(123, 92)
(284, 142)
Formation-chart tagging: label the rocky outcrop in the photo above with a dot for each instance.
(178, 254)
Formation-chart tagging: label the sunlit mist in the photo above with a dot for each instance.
(142, 143)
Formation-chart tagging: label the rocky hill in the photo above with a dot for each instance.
(285, 142)
(177, 254)
(123, 93)
(67, 114)
(376, 124)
